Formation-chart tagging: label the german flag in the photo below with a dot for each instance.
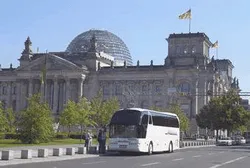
(186, 15)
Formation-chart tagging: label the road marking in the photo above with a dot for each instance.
(129, 158)
(228, 162)
(210, 153)
(178, 159)
(93, 162)
(221, 152)
(197, 156)
(149, 164)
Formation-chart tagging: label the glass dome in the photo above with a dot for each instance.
(106, 42)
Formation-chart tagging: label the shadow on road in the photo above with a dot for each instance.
(122, 154)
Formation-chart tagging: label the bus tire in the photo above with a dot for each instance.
(150, 148)
(170, 148)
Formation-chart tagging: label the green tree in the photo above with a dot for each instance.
(223, 112)
(97, 108)
(10, 119)
(184, 121)
(212, 116)
(35, 123)
(110, 106)
(237, 117)
(3, 119)
(84, 114)
(69, 116)
(103, 109)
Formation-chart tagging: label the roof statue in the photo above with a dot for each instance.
(27, 44)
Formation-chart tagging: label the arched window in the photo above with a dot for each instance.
(184, 87)
(4, 90)
(14, 90)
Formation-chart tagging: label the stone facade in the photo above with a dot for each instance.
(187, 76)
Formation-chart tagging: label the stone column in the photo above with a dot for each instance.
(205, 91)
(55, 97)
(46, 90)
(80, 88)
(18, 95)
(67, 88)
(30, 87)
(9, 100)
(195, 99)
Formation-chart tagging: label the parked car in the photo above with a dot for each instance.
(225, 141)
(238, 140)
(242, 140)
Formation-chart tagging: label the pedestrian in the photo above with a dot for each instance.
(99, 139)
(103, 140)
(87, 140)
(90, 138)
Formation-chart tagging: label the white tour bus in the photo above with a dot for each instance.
(143, 130)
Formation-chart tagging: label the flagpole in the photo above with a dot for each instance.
(189, 25)
(190, 20)
(217, 53)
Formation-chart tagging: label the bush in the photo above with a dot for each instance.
(11, 136)
(77, 136)
(61, 136)
(2, 135)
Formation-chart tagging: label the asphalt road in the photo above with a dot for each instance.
(210, 157)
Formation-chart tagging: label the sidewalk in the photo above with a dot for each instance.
(41, 147)
(17, 154)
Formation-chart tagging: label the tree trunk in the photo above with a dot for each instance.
(69, 131)
(81, 133)
(217, 132)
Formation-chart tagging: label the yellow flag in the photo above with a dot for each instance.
(215, 45)
(186, 15)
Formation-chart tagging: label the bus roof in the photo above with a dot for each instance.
(141, 110)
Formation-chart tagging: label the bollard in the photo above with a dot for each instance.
(82, 150)
(7, 155)
(70, 151)
(43, 152)
(26, 154)
(93, 150)
(57, 152)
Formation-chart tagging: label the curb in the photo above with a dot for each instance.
(190, 147)
(48, 159)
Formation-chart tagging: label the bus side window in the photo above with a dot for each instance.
(150, 120)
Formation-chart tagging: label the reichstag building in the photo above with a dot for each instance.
(99, 60)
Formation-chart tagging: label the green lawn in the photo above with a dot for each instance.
(16, 143)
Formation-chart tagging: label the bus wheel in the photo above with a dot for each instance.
(150, 149)
(170, 147)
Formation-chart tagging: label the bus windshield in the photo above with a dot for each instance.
(126, 117)
(126, 124)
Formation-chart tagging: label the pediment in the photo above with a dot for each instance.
(52, 62)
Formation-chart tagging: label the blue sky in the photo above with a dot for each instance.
(143, 26)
